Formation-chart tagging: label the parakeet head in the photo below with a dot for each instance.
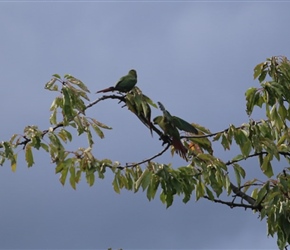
(133, 73)
(157, 120)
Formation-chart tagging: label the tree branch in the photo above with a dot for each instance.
(214, 134)
(249, 156)
(231, 204)
(246, 197)
(147, 160)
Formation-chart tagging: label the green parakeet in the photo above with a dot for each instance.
(125, 84)
(170, 125)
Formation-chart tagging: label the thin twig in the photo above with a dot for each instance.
(147, 160)
(255, 154)
(244, 196)
(214, 134)
(245, 158)
(231, 204)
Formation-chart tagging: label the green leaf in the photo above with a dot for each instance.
(59, 167)
(243, 142)
(251, 98)
(57, 102)
(209, 193)
(7, 149)
(238, 158)
(90, 179)
(240, 169)
(98, 131)
(129, 179)
(282, 112)
(269, 94)
(77, 82)
(169, 199)
(63, 175)
(36, 141)
(29, 155)
(145, 109)
(258, 69)
(116, 182)
(77, 101)
(52, 118)
(254, 193)
(67, 104)
(72, 180)
(13, 137)
(2, 160)
(276, 118)
(79, 124)
(217, 137)
(239, 172)
(262, 76)
(205, 157)
(78, 176)
(45, 147)
(262, 193)
(56, 76)
(162, 197)
(248, 184)
(90, 138)
(139, 182)
(55, 141)
(152, 188)
(266, 166)
(246, 148)
(271, 147)
(228, 185)
(149, 101)
(68, 163)
(65, 135)
(146, 180)
(200, 190)
(225, 142)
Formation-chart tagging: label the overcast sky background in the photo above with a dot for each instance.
(196, 58)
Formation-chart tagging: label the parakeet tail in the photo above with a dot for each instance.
(179, 148)
(162, 108)
(106, 90)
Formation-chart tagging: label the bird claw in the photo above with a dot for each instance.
(165, 139)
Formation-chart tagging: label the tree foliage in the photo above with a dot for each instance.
(205, 175)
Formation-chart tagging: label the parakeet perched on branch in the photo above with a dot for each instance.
(170, 125)
(125, 84)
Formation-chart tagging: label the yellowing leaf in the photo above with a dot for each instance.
(29, 155)
(14, 163)
(98, 131)
(102, 125)
(50, 84)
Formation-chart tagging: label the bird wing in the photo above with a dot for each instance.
(184, 125)
(126, 83)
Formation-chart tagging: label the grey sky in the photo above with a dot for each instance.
(196, 58)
